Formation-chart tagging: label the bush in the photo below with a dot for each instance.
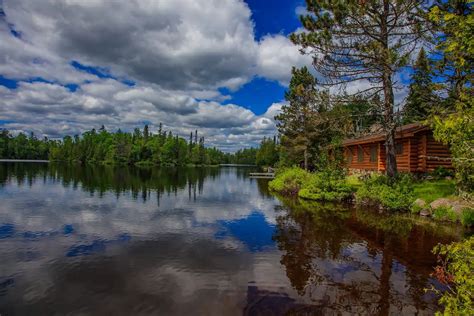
(455, 270)
(467, 217)
(392, 194)
(441, 173)
(326, 186)
(289, 181)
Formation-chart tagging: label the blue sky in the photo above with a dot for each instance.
(276, 16)
(218, 66)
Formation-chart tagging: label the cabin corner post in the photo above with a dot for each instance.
(409, 155)
(379, 157)
(423, 152)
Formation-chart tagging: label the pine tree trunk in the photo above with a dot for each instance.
(391, 162)
(389, 121)
(390, 126)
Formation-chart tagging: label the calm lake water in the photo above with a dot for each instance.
(128, 241)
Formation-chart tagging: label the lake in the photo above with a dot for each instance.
(200, 241)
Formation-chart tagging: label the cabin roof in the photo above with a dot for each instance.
(401, 132)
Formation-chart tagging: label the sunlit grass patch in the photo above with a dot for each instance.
(432, 190)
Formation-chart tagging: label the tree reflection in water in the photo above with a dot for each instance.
(346, 260)
(140, 182)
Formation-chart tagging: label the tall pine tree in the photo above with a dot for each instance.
(366, 42)
(420, 97)
(300, 123)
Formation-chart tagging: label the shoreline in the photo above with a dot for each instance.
(23, 160)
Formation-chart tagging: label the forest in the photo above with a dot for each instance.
(141, 147)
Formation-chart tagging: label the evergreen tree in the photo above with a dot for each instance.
(453, 21)
(146, 133)
(301, 123)
(267, 153)
(421, 96)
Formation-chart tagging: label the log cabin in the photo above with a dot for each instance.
(416, 151)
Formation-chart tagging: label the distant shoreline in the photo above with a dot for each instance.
(22, 160)
(39, 160)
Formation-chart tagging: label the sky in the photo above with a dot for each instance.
(219, 66)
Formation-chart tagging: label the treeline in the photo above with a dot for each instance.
(23, 146)
(102, 146)
(139, 147)
(266, 154)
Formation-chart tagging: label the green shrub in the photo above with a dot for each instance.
(456, 270)
(467, 216)
(289, 181)
(445, 213)
(441, 173)
(391, 193)
(326, 186)
(354, 181)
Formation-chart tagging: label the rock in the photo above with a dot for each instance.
(382, 208)
(425, 212)
(419, 203)
(459, 205)
(440, 203)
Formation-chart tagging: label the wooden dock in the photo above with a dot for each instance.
(262, 175)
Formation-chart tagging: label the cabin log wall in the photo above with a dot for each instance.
(419, 154)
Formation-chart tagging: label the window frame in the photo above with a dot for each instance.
(360, 154)
(399, 148)
(374, 152)
(349, 155)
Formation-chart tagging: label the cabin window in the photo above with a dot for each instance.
(349, 155)
(399, 148)
(360, 154)
(373, 153)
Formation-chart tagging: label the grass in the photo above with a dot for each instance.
(435, 189)
(467, 217)
(444, 213)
